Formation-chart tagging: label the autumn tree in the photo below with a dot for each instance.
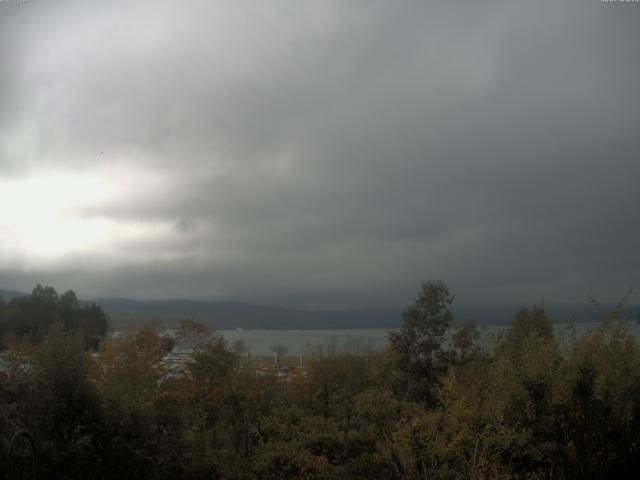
(55, 399)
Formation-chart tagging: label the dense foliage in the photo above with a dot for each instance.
(442, 402)
(34, 315)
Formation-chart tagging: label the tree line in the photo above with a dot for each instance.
(32, 316)
(441, 402)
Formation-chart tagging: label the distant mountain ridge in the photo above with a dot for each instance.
(231, 315)
(7, 295)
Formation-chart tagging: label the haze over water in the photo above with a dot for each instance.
(359, 341)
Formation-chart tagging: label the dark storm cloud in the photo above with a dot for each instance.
(335, 153)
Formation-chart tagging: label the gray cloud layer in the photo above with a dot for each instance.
(337, 153)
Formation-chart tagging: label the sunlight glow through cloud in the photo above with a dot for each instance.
(37, 220)
(43, 219)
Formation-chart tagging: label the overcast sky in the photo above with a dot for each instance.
(320, 154)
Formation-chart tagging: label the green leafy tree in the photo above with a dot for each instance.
(527, 322)
(417, 346)
(34, 315)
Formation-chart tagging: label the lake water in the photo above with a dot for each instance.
(295, 342)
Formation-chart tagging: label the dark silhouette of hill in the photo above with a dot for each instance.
(558, 313)
(230, 315)
(7, 295)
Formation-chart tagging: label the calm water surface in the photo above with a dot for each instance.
(295, 342)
